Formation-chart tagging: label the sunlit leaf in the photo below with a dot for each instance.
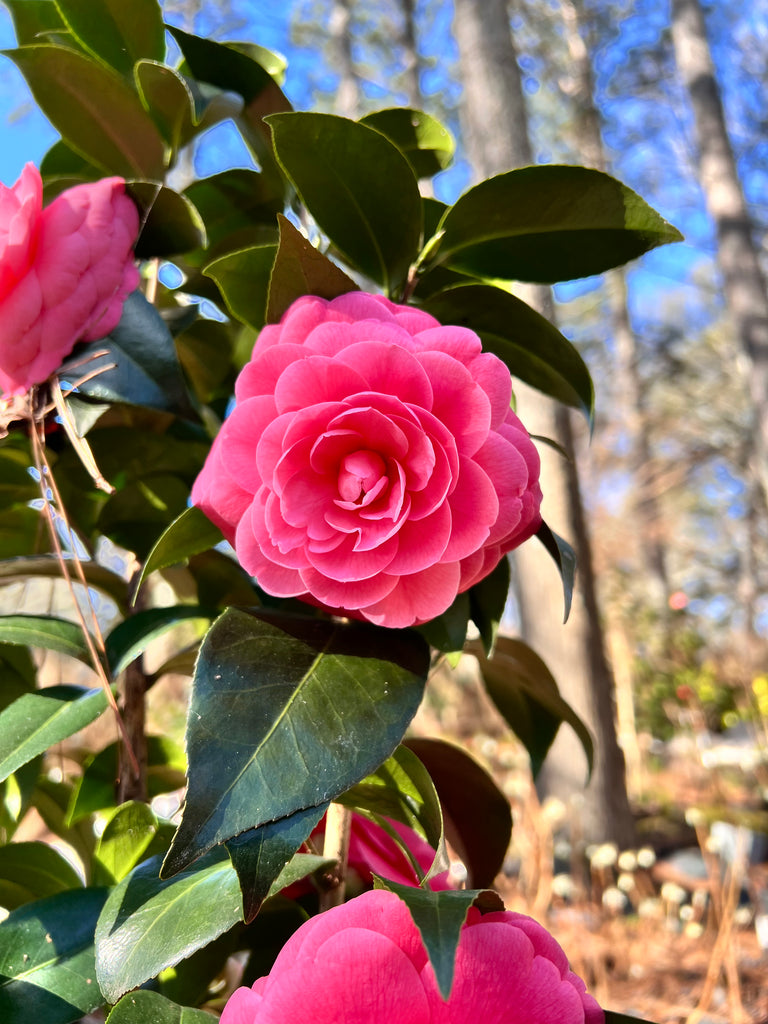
(124, 841)
(189, 534)
(243, 278)
(116, 32)
(31, 871)
(426, 144)
(142, 1007)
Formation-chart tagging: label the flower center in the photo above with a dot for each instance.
(362, 477)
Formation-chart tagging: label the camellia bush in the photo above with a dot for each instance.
(284, 396)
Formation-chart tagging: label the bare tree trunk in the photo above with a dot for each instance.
(744, 285)
(348, 95)
(497, 140)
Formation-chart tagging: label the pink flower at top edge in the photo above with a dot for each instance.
(372, 464)
(65, 272)
(364, 963)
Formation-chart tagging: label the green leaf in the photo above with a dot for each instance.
(94, 790)
(321, 703)
(32, 871)
(477, 814)
(424, 142)
(235, 206)
(20, 532)
(35, 721)
(170, 224)
(523, 689)
(189, 534)
(260, 854)
(15, 570)
(33, 19)
(133, 635)
(47, 961)
(168, 100)
(16, 483)
(448, 631)
(243, 278)
(50, 799)
(533, 348)
(47, 632)
(142, 1007)
(359, 188)
(439, 917)
(127, 834)
(565, 560)
(299, 269)
(149, 924)
(140, 366)
(96, 112)
(115, 32)
(62, 162)
(487, 601)
(549, 223)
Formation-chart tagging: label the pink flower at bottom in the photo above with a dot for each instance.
(364, 963)
(65, 272)
(372, 463)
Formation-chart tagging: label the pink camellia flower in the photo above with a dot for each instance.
(372, 463)
(65, 272)
(364, 963)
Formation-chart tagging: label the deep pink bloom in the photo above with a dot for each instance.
(364, 962)
(65, 272)
(372, 463)
(373, 850)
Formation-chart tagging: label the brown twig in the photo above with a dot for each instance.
(338, 828)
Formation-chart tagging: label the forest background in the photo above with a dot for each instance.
(676, 510)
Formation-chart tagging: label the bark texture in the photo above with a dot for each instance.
(496, 133)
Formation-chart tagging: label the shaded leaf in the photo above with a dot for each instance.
(116, 32)
(478, 818)
(448, 631)
(170, 224)
(189, 534)
(47, 961)
(425, 143)
(260, 854)
(533, 348)
(565, 560)
(487, 601)
(142, 1007)
(439, 917)
(523, 689)
(300, 269)
(243, 278)
(133, 635)
(168, 100)
(33, 19)
(549, 223)
(51, 799)
(96, 112)
(320, 703)
(233, 204)
(35, 721)
(140, 366)
(62, 162)
(359, 188)
(32, 871)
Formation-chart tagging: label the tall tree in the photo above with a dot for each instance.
(744, 284)
(497, 140)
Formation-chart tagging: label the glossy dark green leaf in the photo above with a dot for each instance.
(63, 162)
(170, 224)
(168, 100)
(243, 278)
(478, 818)
(117, 33)
(142, 1007)
(149, 924)
(487, 601)
(97, 113)
(300, 269)
(145, 369)
(18, 674)
(124, 841)
(320, 703)
(133, 635)
(46, 632)
(359, 188)
(426, 144)
(47, 567)
(189, 534)
(46, 959)
(33, 19)
(439, 917)
(94, 790)
(31, 871)
(260, 854)
(549, 223)
(35, 721)
(523, 689)
(235, 205)
(565, 560)
(448, 631)
(533, 348)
